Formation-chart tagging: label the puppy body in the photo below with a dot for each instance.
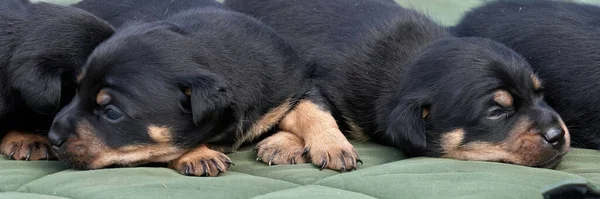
(42, 48)
(560, 40)
(118, 12)
(177, 90)
(401, 79)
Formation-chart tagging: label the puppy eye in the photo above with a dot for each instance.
(495, 113)
(112, 113)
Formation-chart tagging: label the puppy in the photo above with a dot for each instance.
(119, 12)
(394, 76)
(560, 40)
(42, 49)
(186, 90)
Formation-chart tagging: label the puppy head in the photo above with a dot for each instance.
(142, 98)
(49, 46)
(475, 99)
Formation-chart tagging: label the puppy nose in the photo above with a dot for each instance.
(59, 132)
(555, 136)
(55, 139)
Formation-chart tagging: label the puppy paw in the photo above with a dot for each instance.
(326, 144)
(26, 146)
(281, 148)
(202, 161)
(334, 154)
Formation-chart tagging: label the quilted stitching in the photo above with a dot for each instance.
(385, 174)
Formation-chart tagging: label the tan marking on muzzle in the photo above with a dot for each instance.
(88, 150)
(523, 146)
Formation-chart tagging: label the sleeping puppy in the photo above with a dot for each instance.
(186, 90)
(560, 40)
(394, 76)
(119, 12)
(42, 49)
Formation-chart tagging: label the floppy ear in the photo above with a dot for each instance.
(210, 97)
(40, 90)
(406, 126)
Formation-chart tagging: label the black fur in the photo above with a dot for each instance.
(381, 66)
(236, 68)
(42, 49)
(560, 40)
(120, 12)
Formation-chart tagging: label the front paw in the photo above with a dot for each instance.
(281, 148)
(333, 153)
(26, 146)
(202, 161)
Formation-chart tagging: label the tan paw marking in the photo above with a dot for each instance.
(281, 148)
(202, 161)
(26, 146)
(326, 144)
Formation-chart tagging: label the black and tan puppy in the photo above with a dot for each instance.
(560, 40)
(120, 12)
(42, 49)
(189, 88)
(402, 80)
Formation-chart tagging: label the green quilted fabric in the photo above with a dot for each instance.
(386, 173)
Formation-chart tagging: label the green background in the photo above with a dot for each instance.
(446, 12)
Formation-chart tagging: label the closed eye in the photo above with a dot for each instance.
(496, 112)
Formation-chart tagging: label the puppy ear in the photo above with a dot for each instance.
(210, 97)
(406, 126)
(40, 90)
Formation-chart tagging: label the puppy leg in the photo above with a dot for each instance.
(26, 146)
(201, 161)
(325, 143)
(281, 148)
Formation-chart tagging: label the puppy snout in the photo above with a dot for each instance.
(59, 132)
(554, 136)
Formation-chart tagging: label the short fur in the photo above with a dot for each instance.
(120, 12)
(403, 80)
(42, 49)
(157, 92)
(560, 40)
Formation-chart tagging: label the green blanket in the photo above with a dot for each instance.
(386, 173)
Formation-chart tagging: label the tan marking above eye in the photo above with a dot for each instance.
(537, 83)
(102, 98)
(504, 98)
(159, 134)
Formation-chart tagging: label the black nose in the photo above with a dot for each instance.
(555, 136)
(55, 139)
(60, 131)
